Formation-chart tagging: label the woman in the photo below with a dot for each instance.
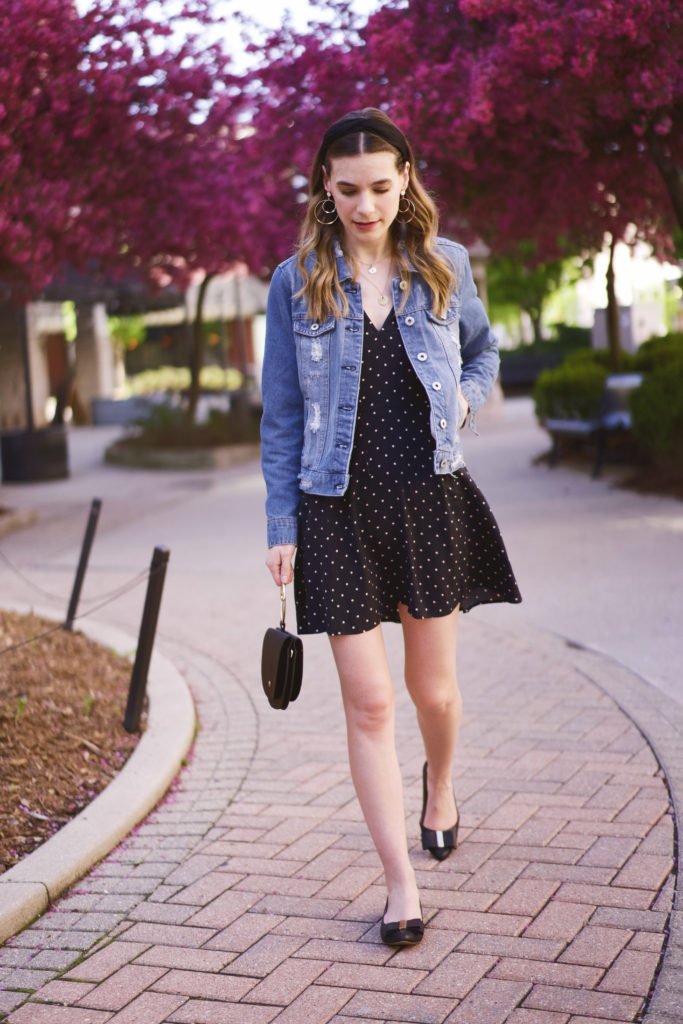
(377, 351)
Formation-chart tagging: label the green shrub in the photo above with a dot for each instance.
(169, 427)
(659, 352)
(599, 357)
(564, 340)
(569, 338)
(572, 390)
(657, 413)
(583, 356)
(177, 378)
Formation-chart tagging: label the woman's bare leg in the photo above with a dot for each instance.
(368, 695)
(432, 684)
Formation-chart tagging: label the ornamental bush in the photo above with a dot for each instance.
(570, 391)
(168, 427)
(657, 413)
(600, 357)
(659, 352)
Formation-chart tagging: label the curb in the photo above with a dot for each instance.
(28, 889)
(660, 721)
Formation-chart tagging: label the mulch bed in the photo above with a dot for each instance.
(62, 702)
(667, 483)
(646, 479)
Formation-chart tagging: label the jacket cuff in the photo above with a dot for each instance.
(474, 398)
(473, 395)
(283, 531)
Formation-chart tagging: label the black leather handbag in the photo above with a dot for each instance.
(282, 663)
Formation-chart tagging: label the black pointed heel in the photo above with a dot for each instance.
(440, 844)
(401, 933)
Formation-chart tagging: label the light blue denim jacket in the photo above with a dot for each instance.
(311, 376)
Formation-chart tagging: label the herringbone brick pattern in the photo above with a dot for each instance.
(252, 893)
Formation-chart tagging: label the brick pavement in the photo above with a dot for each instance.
(252, 893)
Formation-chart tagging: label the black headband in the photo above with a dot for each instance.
(350, 125)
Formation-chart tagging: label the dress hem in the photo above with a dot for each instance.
(463, 606)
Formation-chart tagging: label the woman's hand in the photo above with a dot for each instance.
(464, 404)
(279, 560)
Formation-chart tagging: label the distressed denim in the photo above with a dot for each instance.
(311, 377)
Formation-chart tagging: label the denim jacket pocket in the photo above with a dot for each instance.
(448, 329)
(450, 319)
(313, 354)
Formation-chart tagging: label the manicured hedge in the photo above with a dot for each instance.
(659, 352)
(571, 391)
(657, 413)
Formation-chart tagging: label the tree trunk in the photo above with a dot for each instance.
(671, 175)
(536, 324)
(613, 331)
(239, 331)
(197, 353)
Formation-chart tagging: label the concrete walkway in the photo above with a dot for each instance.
(252, 893)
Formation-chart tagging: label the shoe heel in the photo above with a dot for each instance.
(437, 842)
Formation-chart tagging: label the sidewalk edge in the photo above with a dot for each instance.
(27, 889)
(660, 720)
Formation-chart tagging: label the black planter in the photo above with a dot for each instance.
(34, 455)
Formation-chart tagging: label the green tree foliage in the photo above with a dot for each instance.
(520, 280)
(128, 331)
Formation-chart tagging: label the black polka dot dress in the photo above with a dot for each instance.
(400, 533)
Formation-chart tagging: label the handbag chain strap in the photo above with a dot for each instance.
(283, 603)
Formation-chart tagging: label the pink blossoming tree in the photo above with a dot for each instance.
(552, 122)
(118, 143)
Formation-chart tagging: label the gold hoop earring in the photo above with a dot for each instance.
(405, 215)
(322, 210)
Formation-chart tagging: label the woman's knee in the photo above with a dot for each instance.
(435, 696)
(366, 684)
(369, 709)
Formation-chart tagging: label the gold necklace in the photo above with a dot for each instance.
(383, 299)
(372, 267)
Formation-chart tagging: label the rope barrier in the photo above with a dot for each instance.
(113, 595)
(25, 578)
(60, 597)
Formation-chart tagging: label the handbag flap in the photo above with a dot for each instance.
(281, 667)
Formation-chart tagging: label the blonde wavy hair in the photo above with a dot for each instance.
(413, 241)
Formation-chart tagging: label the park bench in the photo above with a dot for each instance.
(613, 418)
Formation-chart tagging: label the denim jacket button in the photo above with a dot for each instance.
(315, 327)
(403, 285)
(410, 320)
(444, 463)
(422, 356)
(442, 424)
(436, 386)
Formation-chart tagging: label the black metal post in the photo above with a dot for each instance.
(148, 626)
(83, 561)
